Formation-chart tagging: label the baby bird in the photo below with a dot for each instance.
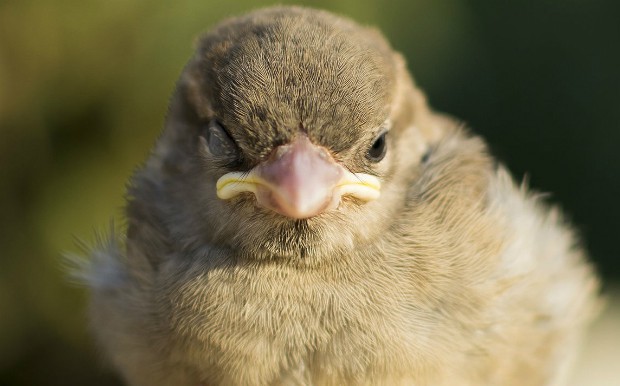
(306, 219)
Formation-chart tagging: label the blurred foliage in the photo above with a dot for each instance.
(84, 88)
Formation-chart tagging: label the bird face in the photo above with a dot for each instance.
(295, 130)
(299, 180)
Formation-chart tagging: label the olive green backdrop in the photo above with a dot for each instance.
(83, 92)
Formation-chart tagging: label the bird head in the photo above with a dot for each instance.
(292, 134)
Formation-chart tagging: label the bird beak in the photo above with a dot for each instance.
(299, 180)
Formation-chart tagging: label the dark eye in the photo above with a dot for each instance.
(378, 149)
(220, 143)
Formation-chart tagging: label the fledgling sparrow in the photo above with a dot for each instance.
(306, 219)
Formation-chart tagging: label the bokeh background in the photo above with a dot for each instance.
(84, 87)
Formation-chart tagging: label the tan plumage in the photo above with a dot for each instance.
(453, 276)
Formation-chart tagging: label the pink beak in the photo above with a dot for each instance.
(300, 180)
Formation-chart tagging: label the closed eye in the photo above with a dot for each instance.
(221, 145)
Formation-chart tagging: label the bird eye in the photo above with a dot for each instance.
(219, 141)
(378, 149)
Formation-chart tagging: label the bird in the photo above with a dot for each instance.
(305, 218)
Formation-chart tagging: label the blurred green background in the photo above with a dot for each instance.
(84, 87)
